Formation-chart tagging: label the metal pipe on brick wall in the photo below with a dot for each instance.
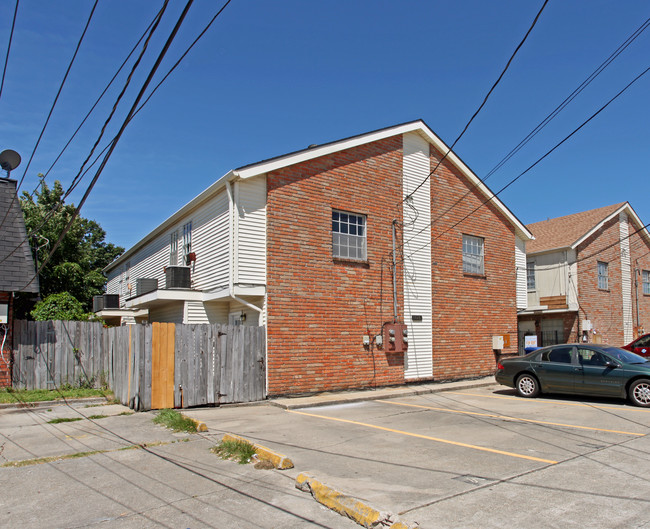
(394, 275)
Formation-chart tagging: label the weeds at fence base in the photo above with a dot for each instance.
(175, 421)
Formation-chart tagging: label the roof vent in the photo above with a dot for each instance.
(313, 145)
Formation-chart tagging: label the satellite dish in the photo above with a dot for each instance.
(9, 160)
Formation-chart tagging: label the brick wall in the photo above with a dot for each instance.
(603, 307)
(5, 366)
(320, 308)
(469, 310)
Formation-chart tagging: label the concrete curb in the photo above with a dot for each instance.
(345, 505)
(280, 461)
(200, 425)
(380, 394)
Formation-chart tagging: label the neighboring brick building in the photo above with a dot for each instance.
(17, 272)
(588, 278)
(303, 243)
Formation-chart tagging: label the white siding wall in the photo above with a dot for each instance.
(250, 223)
(626, 278)
(417, 264)
(520, 265)
(172, 313)
(572, 298)
(551, 276)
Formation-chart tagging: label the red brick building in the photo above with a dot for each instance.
(588, 278)
(17, 273)
(329, 247)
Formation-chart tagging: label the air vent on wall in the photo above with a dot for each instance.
(177, 277)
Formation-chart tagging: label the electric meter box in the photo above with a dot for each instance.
(395, 337)
(4, 313)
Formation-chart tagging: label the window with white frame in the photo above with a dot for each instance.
(187, 240)
(349, 236)
(646, 282)
(530, 275)
(603, 282)
(473, 255)
(173, 249)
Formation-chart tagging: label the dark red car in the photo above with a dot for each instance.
(640, 346)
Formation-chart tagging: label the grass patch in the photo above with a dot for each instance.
(239, 451)
(13, 396)
(175, 421)
(64, 419)
(41, 460)
(126, 413)
(96, 416)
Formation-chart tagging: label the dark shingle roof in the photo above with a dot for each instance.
(563, 232)
(16, 263)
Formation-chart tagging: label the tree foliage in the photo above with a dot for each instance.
(61, 306)
(76, 265)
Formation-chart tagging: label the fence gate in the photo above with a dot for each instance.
(162, 365)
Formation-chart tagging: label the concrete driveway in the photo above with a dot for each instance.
(471, 457)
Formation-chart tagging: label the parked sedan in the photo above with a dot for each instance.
(640, 346)
(581, 369)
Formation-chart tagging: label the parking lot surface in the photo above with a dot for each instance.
(472, 457)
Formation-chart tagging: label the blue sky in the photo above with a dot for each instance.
(274, 77)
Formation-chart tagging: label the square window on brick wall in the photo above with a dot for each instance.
(349, 236)
(473, 255)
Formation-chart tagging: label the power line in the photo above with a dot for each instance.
(566, 138)
(40, 136)
(530, 29)
(57, 206)
(113, 144)
(553, 114)
(11, 34)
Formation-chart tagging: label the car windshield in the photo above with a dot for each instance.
(624, 356)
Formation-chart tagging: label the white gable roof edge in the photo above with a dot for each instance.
(625, 207)
(362, 139)
(166, 224)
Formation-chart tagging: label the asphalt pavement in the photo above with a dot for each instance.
(462, 454)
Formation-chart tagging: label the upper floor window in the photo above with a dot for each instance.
(646, 282)
(530, 275)
(173, 249)
(473, 255)
(603, 282)
(187, 240)
(349, 236)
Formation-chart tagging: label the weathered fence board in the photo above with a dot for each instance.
(147, 366)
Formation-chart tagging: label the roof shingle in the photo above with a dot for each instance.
(563, 232)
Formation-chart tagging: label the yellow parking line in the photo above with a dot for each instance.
(509, 418)
(420, 436)
(540, 401)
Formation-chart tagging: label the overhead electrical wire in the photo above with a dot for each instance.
(530, 167)
(53, 210)
(115, 141)
(56, 98)
(505, 69)
(612, 57)
(11, 34)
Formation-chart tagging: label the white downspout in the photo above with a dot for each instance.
(231, 249)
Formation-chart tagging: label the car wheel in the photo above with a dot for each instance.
(527, 386)
(639, 392)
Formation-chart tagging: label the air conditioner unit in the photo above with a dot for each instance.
(144, 285)
(111, 301)
(98, 303)
(106, 301)
(177, 277)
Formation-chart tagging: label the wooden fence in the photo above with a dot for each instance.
(149, 366)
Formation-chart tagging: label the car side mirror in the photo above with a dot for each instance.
(612, 364)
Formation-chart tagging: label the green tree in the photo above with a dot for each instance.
(61, 306)
(76, 265)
